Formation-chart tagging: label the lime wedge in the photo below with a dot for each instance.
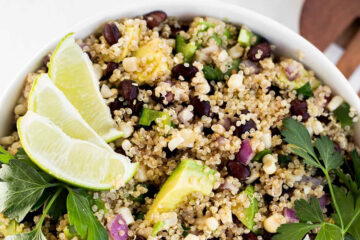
(47, 100)
(72, 72)
(74, 161)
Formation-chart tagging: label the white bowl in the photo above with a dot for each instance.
(288, 43)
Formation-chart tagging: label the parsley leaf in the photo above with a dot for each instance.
(299, 139)
(305, 90)
(35, 234)
(5, 156)
(356, 164)
(294, 231)
(309, 211)
(331, 158)
(342, 114)
(329, 232)
(348, 182)
(21, 187)
(81, 216)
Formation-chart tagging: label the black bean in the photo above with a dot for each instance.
(138, 237)
(128, 89)
(186, 72)
(169, 97)
(120, 150)
(299, 108)
(238, 170)
(115, 105)
(207, 131)
(276, 90)
(201, 107)
(111, 33)
(244, 111)
(169, 153)
(249, 236)
(259, 52)
(110, 67)
(275, 131)
(153, 19)
(324, 119)
(136, 107)
(240, 130)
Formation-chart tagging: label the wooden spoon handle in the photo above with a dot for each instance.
(350, 60)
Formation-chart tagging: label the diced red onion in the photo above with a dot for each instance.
(324, 200)
(290, 215)
(245, 153)
(118, 228)
(229, 186)
(315, 181)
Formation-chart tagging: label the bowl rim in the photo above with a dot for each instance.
(213, 8)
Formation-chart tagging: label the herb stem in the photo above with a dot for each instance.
(48, 206)
(352, 220)
(50, 185)
(333, 196)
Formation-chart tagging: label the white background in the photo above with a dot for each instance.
(27, 25)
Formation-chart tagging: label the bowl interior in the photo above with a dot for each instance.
(288, 43)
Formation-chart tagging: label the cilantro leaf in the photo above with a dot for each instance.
(309, 211)
(294, 231)
(299, 139)
(331, 158)
(21, 187)
(5, 156)
(35, 234)
(81, 216)
(329, 232)
(305, 90)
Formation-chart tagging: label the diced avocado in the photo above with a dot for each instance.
(258, 157)
(305, 90)
(157, 228)
(154, 56)
(187, 49)
(342, 114)
(70, 232)
(148, 116)
(245, 36)
(299, 81)
(212, 73)
(132, 33)
(246, 215)
(188, 177)
(9, 228)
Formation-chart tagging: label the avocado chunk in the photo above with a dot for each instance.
(187, 49)
(157, 228)
(246, 215)
(245, 36)
(9, 228)
(299, 81)
(188, 177)
(151, 54)
(148, 116)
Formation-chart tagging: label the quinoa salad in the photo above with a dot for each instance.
(225, 139)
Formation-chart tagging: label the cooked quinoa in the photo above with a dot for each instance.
(245, 99)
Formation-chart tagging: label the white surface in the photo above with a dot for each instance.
(28, 25)
(288, 43)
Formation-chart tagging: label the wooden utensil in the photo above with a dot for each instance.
(326, 21)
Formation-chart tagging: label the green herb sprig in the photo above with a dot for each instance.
(310, 215)
(25, 188)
